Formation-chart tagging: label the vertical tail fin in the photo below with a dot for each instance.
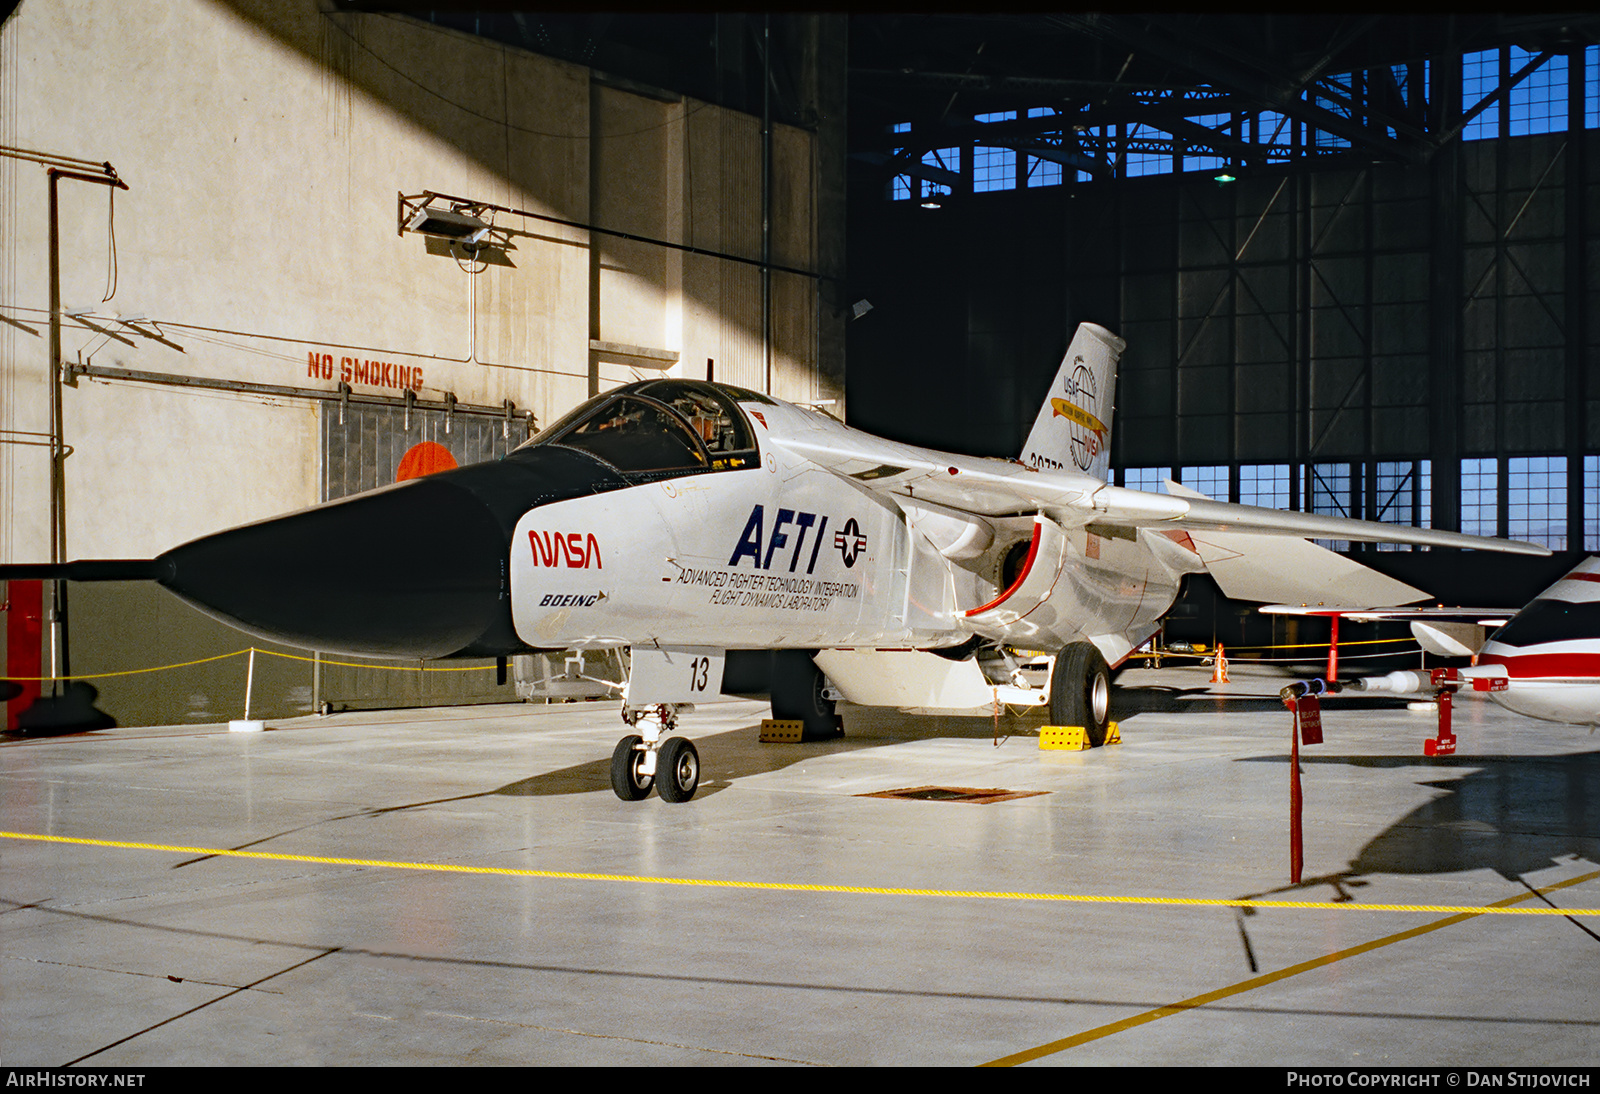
(1073, 430)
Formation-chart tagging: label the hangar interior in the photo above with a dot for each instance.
(1353, 257)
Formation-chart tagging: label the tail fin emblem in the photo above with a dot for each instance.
(1078, 415)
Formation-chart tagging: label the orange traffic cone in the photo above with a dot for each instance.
(1219, 674)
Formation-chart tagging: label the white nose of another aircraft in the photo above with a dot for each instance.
(1550, 652)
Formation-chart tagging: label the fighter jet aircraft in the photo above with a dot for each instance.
(740, 543)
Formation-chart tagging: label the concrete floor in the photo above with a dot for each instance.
(122, 956)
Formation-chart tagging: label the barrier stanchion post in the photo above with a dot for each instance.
(248, 725)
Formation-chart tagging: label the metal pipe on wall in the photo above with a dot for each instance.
(60, 659)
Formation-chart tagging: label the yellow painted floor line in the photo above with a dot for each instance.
(1148, 1016)
(1499, 908)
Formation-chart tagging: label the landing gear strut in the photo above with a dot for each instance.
(651, 758)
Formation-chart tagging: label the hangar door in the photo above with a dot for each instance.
(364, 447)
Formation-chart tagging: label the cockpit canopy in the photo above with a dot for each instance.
(661, 425)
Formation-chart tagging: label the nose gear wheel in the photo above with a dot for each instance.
(627, 769)
(677, 770)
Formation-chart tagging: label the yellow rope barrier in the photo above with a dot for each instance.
(1292, 646)
(484, 668)
(129, 672)
(1324, 645)
(247, 649)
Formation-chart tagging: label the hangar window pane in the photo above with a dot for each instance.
(1413, 93)
(947, 158)
(1044, 172)
(1141, 158)
(1591, 86)
(1480, 75)
(1098, 143)
(993, 169)
(1539, 102)
(1204, 159)
(901, 187)
(1210, 481)
(1536, 499)
(1276, 131)
(1480, 497)
(1333, 95)
(1264, 484)
(1402, 494)
(1330, 495)
(1152, 479)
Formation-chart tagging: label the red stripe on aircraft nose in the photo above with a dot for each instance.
(1533, 666)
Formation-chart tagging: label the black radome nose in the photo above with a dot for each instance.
(415, 570)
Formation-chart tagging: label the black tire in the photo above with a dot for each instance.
(1080, 691)
(797, 695)
(677, 770)
(626, 778)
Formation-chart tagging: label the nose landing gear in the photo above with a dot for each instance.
(644, 760)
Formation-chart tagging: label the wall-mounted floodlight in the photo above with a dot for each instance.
(448, 224)
(860, 307)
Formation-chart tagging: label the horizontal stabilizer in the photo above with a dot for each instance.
(1449, 639)
(1282, 568)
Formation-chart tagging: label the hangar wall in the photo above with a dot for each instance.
(265, 146)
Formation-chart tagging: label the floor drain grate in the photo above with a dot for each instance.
(955, 794)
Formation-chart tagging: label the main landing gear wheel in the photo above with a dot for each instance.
(677, 770)
(797, 683)
(1080, 691)
(627, 770)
